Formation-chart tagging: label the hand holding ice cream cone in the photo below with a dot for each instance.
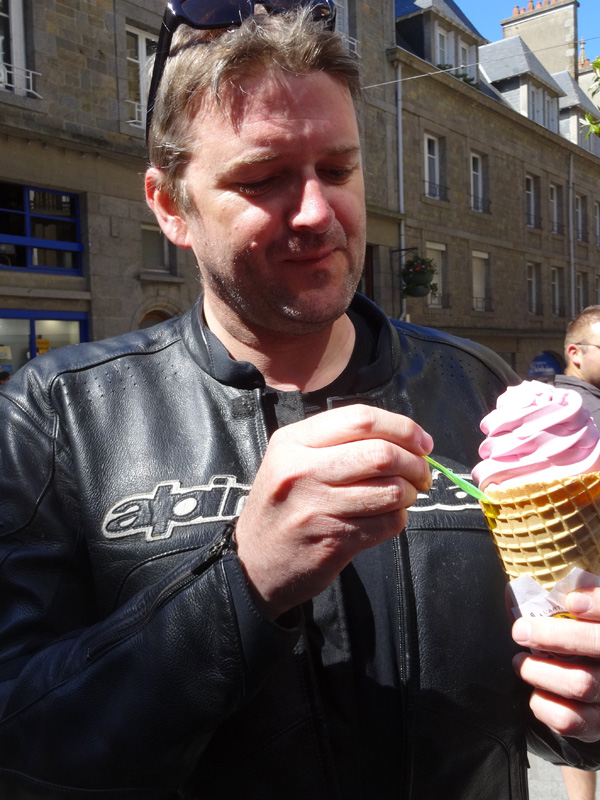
(541, 471)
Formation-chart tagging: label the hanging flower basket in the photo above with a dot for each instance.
(417, 277)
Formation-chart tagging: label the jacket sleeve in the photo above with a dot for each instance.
(121, 706)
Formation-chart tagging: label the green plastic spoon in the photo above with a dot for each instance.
(464, 485)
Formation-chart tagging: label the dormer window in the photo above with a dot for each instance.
(444, 47)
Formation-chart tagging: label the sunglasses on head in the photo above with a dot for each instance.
(211, 14)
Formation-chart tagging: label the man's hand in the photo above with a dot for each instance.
(329, 487)
(566, 694)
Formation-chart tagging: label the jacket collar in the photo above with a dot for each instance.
(212, 357)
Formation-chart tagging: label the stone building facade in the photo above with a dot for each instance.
(513, 222)
(81, 256)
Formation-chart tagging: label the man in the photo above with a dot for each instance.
(582, 373)
(212, 587)
(4, 377)
(582, 357)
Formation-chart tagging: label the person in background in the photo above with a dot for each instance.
(582, 357)
(582, 373)
(226, 570)
(4, 377)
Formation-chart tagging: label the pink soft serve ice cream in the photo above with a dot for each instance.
(537, 433)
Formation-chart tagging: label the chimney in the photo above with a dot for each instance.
(516, 11)
(530, 5)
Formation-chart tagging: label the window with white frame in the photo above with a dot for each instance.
(581, 218)
(534, 288)
(434, 167)
(536, 104)
(551, 116)
(481, 291)
(468, 59)
(342, 26)
(532, 212)
(597, 224)
(437, 252)
(557, 291)
(555, 203)
(442, 55)
(14, 75)
(141, 46)
(479, 199)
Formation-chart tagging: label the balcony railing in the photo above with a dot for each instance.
(557, 227)
(481, 204)
(533, 219)
(17, 80)
(352, 44)
(138, 118)
(482, 304)
(436, 191)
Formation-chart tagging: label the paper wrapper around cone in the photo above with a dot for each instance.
(544, 530)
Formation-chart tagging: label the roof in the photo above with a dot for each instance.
(509, 58)
(574, 94)
(447, 8)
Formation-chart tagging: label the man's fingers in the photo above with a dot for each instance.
(373, 459)
(560, 636)
(574, 680)
(357, 423)
(584, 603)
(567, 718)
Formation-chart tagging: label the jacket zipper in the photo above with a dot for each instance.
(403, 645)
(224, 544)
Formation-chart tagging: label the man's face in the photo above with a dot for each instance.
(279, 232)
(587, 359)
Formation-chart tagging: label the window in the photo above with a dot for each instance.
(556, 208)
(434, 168)
(467, 55)
(437, 252)
(557, 291)
(551, 117)
(25, 334)
(597, 290)
(479, 192)
(158, 254)
(482, 300)
(366, 283)
(534, 288)
(581, 291)
(342, 26)
(39, 230)
(581, 218)
(597, 224)
(442, 53)
(14, 75)
(141, 47)
(536, 104)
(532, 205)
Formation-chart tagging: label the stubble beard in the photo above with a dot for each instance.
(274, 307)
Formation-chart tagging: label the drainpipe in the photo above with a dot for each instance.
(571, 238)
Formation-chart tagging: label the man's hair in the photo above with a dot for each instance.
(578, 328)
(207, 66)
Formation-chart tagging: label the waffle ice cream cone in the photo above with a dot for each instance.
(546, 529)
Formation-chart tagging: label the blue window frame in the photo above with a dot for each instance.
(25, 334)
(39, 230)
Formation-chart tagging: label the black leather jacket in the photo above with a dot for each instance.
(133, 661)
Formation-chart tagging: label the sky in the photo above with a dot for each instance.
(486, 15)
